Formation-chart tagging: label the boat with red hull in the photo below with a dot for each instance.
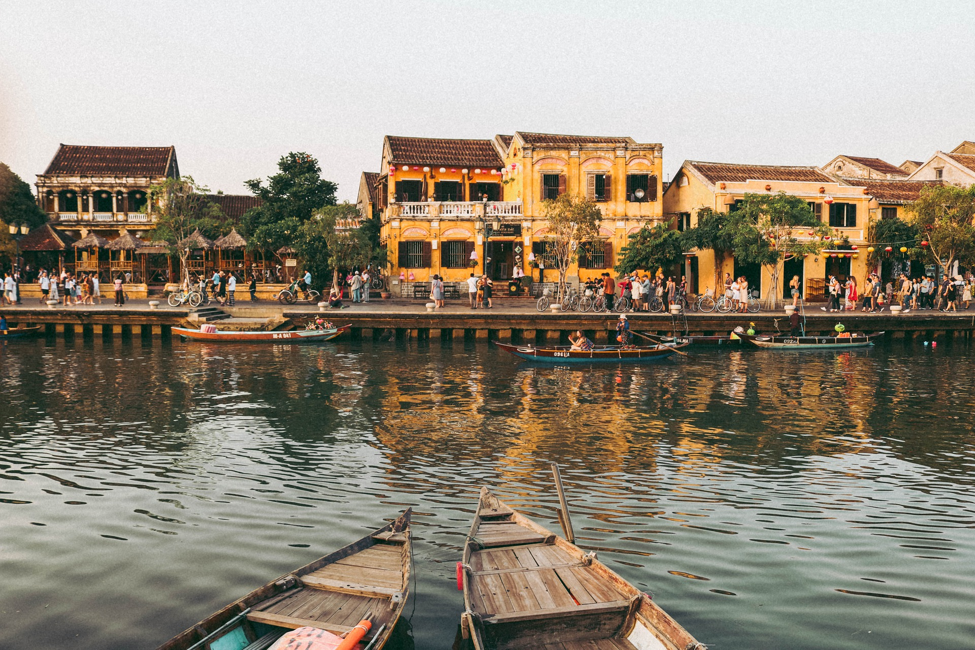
(229, 336)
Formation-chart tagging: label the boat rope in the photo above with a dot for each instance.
(588, 558)
(413, 571)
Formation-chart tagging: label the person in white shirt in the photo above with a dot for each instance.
(472, 290)
(96, 291)
(366, 280)
(231, 287)
(636, 290)
(45, 283)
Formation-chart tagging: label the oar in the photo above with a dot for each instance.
(658, 341)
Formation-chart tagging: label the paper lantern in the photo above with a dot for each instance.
(924, 243)
(870, 249)
(392, 168)
(464, 171)
(854, 248)
(477, 171)
(826, 238)
(453, 171)
(811, 233)
(903, 249)
(402, 275)
(832, 254)
(412, 277)
(855, 256)
(888, 249)
(426, 169)
(828, 200)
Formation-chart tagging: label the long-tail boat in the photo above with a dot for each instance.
(606, 353)
(231, 336)
(367, 580)
(526, 587)
(20, 332)
(786, 342)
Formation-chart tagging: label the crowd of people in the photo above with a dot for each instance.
(908, 293)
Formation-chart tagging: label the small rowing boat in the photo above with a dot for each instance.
(607, 353)
(20, 332)
(784, 342)
(695, 340)
(365, 581)
(526, 587)
(230, 336)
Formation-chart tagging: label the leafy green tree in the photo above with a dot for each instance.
(651, 248)
(17, 204)
(572, 222)
(712, 232)
(943, 216)
(329, 242)
(290, 198)
(895, 233)
(183, 209)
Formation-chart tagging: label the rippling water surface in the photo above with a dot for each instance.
(766, 500)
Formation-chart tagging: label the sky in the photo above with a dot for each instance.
(237, 85)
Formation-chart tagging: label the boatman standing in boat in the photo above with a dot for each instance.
(623, 331)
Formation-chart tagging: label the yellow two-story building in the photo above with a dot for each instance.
(453, 207)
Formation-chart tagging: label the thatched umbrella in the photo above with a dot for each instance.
(230, 253)
(231, 241)
(195, 242)
(83, 260)
(121, 252)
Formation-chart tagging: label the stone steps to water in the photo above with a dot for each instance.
(209, 314)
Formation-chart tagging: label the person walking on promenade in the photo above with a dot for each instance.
(231, 288)
(119, 290)
(472, 290)
(951, 294)
(648, 291)
(8, 289)
(851, 293)
(966, 293)
(671, 292)
(45, 283)
(609, 290)
(488, 289)
(366, 280)
(636, 289)
(96, 289)
(436, 291)
(252, 288)
(222, 288)
(215, 284)
(356, 286)
(743, 290)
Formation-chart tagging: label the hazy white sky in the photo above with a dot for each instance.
(236, 85)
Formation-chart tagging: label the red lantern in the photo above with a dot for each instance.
(924, 243)
(826, 238)
(888, 249)
(832, 254)
(828, 200)
(854, 248)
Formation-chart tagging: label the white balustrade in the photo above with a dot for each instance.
(67, 216)
(414, 210)
(455, 209)
(138, 217)
(103, 216)
(503, 209)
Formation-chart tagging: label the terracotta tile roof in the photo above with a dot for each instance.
(46, 238)
(964, 159)
(505, 140)
(892, 190)
(114, 161)
(370, 179)
(878, 165)
(733, 173)
(235, 205)
(438, 151)
(536, 139)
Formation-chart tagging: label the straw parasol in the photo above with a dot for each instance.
(196, 242)
(231, 241)
(126, 242)
(91, 240)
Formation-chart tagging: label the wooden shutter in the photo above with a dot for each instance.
(426, 255)
(436, 191)
(584, 255)
(591, 187)
(543, 194)
(851, 215)
(833, 212)
(607, 254)
(402, 256)
(607, 187)
(561, 184)
(651, 188)
(818, 211)
(423, 189)
(468, 249)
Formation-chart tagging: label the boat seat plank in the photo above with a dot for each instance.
(601, 589)
(373, 560)
(293, 623)
(548, 555)
(514, 539)
(493, 593)
(499, 559)
(360, 575)
(594, 644)
(524, 557)
(571, 582)
(548, 597)
(348, 587)
(520, 592)
(621, 607)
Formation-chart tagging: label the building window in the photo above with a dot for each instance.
(596, 255)
(683, 221)
(408, 191)
(843, 215)
(544, 251)
(448, 191)
(103, 202)
(598, 187)
(817, 210)
(939, 174)
(888, 213)
(552, 186)
(455, 254)
(641, 188)
(414, 254)
(485, 192)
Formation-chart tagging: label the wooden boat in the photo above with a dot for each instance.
(526, 587)
(368, 579)
(785, 342)
(695, 340)
(606, 353)
(20, 332)
(230, 336)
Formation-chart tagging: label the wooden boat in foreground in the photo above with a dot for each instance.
(230, 336)
(606, 353)
(368, 579)
(20, 332)
(526, 587)
(785, 342)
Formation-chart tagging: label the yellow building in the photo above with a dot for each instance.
(452, 207)
(842, 205)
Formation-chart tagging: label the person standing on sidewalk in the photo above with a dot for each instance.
(472, 290)
(366, 280)
(119, 291)
(356, 286)
(252, 288)
(609, 290)
(231, 288)
(45, 283)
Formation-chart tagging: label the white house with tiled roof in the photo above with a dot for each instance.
(956, 167)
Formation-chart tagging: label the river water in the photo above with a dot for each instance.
(766, 500)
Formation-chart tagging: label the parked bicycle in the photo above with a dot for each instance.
(570, 301)
(706, 302)
(293, 294)
(544, 302)
(193, 298)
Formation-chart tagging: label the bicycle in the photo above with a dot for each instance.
(724, 304)
(754, 304)
(656, 304)
(290, 296)
(570, 302)
(706, 302)
(543, 302)
(621, 304)
(193, 298)
(378, 280)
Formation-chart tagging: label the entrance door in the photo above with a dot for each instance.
(791, 268)
(752, 273)
(838, 266)
(502, 259)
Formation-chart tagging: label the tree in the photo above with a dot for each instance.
(183, 209)
(17, 204)
(572, 222)
(652, 248)
(943, 216)
(328, 242)
(894, 233)
(289, 199)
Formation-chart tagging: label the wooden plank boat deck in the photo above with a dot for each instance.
(525, 587)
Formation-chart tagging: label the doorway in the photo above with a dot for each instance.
(752, 273)
(838, 266)
(502, 259)
(793, 267)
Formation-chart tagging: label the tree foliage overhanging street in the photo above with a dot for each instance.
(573, 222)
(183, 209)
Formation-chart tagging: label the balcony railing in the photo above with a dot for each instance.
(138, 217)
(67, 216)
(460, 210)
(414, 210)
(503, 209)
(455, 209)
(103, 216)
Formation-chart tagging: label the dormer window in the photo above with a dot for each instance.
(939, 173)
